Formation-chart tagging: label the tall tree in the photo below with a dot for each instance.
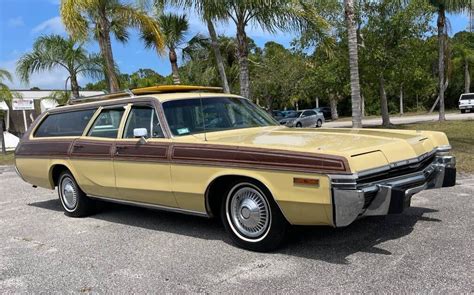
(209, 11)
(442, 7)
(353, 63)
(100, 18)
(463, 51)
(174, 28)
(53, 51)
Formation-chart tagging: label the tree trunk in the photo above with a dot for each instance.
(384, 104)
(441, 39)
(467, 77)
(333, 104)
(106, 52)
(353, 64)
(362, 106)
(437, 99)
(217, 53)
(74, 86)
(401, 100)
(242, 53)
(174, 66)
(2, 138)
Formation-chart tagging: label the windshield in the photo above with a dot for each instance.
(185, 116)
(294, 115)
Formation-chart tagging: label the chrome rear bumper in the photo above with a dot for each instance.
(353, 199)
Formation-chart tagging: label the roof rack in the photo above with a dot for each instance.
(146, 90)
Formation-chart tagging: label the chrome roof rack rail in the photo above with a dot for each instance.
(146, 90)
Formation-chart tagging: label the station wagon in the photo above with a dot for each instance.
(198, 151)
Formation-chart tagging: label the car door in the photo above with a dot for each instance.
(91, 154)
(142, 168)
(306, 118)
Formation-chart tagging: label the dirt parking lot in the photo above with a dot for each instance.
(122, 249)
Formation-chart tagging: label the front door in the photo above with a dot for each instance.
(142, 169)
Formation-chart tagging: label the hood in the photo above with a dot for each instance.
(363, 148)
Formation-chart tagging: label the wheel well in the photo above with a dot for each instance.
(218, 187)
(56, 172)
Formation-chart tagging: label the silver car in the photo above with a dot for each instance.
(303, 118)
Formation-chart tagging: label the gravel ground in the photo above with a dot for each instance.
(428, 249)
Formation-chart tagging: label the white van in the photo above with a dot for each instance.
(466, 102)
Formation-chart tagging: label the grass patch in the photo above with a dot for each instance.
(461, 138)
(8, 159)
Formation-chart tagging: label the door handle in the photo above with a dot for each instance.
(119, 148)
(77, 147)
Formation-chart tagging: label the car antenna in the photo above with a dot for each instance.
(203, 119)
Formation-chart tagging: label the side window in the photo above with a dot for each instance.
(143, 117)
(65, 124)
(308, 113)
(107, 123)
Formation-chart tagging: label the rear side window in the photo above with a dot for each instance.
(107, 123)
(64, 124)
(309, 113)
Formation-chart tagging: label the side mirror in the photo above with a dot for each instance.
(141, 133)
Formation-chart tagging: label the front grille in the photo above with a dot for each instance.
(398, 171)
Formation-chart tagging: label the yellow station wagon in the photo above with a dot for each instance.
(195, 150)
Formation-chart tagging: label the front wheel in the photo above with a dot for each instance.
(252, 218)
(299, 125)
(463, 111)
(73, 200)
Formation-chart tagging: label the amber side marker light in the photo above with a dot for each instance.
(306, 181)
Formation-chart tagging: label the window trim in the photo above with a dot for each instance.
(142, 104)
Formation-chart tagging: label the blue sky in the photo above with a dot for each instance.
(21, 21)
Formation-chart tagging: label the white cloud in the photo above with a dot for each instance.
(16, 22)
(53, 25)
(54, 79)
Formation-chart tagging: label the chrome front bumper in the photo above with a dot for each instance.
(353, 199)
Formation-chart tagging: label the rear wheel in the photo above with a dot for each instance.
(252, 218)
(319, 123)
(74, 201)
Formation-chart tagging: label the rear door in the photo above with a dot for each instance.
(309, 118)
(92, 153)
(142, 168)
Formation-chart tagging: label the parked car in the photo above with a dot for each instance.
(326, 112)
(278, 115)
(194, 150)
(304, 118)
(466, 102)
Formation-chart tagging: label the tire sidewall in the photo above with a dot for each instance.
(274, 234)
(229, 218)
(62, 178)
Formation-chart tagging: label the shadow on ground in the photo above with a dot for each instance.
(321, 243)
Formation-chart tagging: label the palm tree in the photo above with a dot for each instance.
(101, 18)
(5, 95)
(353, 64)
(58, 97)
(209, 11)
(174, 28)
(444, 6)
(53, 51)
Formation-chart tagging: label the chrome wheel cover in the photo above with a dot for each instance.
(68, 193)
(248, 212)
